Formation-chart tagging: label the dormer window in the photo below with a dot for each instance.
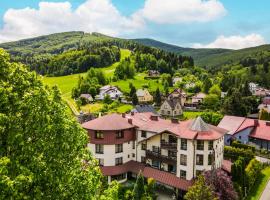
(99, 135)
(119, 134)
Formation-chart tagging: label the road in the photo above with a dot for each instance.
(266, 193)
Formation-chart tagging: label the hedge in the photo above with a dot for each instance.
(238, 144)
(234, 153)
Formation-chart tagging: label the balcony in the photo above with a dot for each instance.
(162, 158)
(168, 145)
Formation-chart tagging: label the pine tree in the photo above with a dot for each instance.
(157, 97)
(135, 100)
(139, 190)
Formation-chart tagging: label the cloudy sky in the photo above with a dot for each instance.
(231, 24)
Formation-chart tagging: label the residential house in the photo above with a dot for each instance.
(112, 91)
(144, 96)
(253, 87)
(247, 131)
(265, 105)
(198, 98)
(171, 152)
(179, 94)
(153, 73)
(87, 97)
(171, 107)
(144, 108)
(261, 92)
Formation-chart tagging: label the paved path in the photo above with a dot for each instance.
(266, 193)
(262, 159)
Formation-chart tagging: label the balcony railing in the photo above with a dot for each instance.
(161, 158)
(168, 145)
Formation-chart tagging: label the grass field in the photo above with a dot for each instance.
(259, 185)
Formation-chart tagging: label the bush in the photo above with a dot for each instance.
(238, 144)
(253, 170)
(211, 117)
(234, 153)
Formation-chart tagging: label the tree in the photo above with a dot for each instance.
(211, 101)
(139, 189)
(200, 191)
(264, 115)
(207, 84)
(211, 117)
(132, 90)
(245, 90)
(43, 152)
(215, 89)
(266, 67)
(135, 100)
(107, 99)
(221, 183)
(158, 97)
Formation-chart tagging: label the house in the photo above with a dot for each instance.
(176, 79)
(247, 131)
(198, 98)
(112, 91)
(223, 94)
(262, 92)
(87, 97)
(153, 73)
(171, 152)
(144, 108)
(180, 94)
(171, 107)
(190, 85)
(253, 87)
(144, 96)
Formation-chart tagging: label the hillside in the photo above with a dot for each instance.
(46, 46)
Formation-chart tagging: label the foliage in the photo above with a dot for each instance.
(211, 117)
(234, 153)
(132, 90)
(43, 152)
(200, 191)
(124, 70)
(253, 170)
(135, 100)
(264, 115)
(212, 102)
(238, 144)
(221, 184)
(107, 99)
(157, 97)
(215, 89)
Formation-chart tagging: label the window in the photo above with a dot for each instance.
(169, 112)
(143, 134)
(162, 112)
(128, 155)
(172, 154)
(200, 145)
(99, 135)
(100, 161)
(143, 159)
(210, 159)
(155, 163)
(210, 145)
(183, 144)
(133, 155)
(143, 146)
(119, 161)
(118, 177)
(183, 174)
(239, 137)
(133, 144)
(118, 148)
(99, 148)
(199, 159)
(155, 149)
(119, 134)
(183, 159)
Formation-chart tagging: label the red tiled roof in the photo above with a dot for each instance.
(108, 122)
(262, 131)
(227, 165)
(236, 124)
(148, 172)
(266, 100)
(131, 166)
(167, 178)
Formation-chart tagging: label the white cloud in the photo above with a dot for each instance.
(91, 16)
(182, 11)
(234, 42)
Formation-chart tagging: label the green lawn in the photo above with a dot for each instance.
(191, 114)
(259, 185)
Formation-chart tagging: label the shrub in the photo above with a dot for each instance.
(234, 153)
(238, 144)
(253, 170)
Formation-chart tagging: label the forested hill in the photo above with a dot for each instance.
(210, 57)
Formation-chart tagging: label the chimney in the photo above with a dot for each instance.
(174, 120)
(132, 113)
(154, 117)
(123, 115)
(256, 122)
(267, 123)
(130, 120)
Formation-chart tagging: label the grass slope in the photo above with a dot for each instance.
(259, 185)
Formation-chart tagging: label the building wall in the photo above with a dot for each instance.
(242, 136)
(165, 108)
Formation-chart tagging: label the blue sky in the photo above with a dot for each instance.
(221, 23)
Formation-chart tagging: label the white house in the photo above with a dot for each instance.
(112, 91)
